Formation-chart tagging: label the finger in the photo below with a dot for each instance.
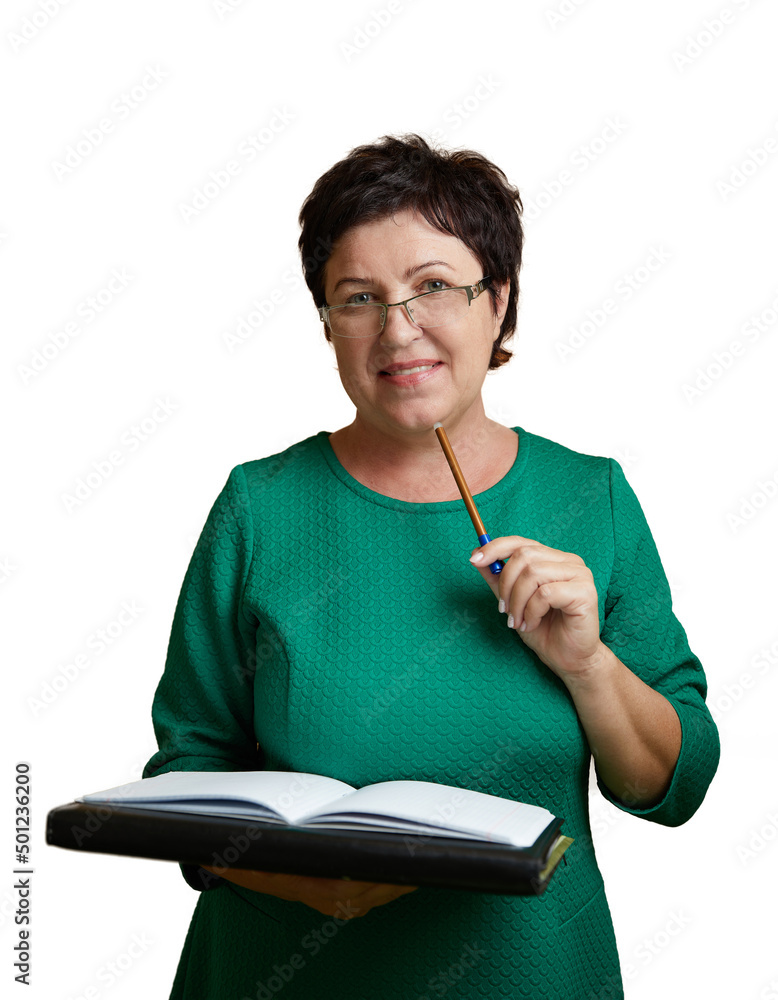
(507, 546)
(378, 895)
(526, 578)
(338, 887)
(402, 890)
(483, 558)
(516, 553)
(383, 892)
(535, 609)
(493, 580)
(572, 597)
(498, 548)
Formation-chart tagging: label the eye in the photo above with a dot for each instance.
(358, 299)
(435, 281)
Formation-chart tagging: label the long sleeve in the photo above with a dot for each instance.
(203, 707)
(642, 630)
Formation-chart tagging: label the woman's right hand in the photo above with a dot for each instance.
(333, 897)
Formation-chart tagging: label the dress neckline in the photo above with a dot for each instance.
(509, 481)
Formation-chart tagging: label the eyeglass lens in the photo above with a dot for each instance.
(430, 310)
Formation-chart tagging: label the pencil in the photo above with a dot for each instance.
(467, 496)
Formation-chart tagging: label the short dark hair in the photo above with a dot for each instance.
(457, 191)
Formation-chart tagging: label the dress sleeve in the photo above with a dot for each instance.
(642, 630)
(203, 707)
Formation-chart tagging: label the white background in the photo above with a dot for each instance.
(689, 92)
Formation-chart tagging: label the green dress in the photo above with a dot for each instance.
(326, 628)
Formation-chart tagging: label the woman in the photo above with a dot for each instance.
(336, 619)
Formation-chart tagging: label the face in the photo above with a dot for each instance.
(391, 260)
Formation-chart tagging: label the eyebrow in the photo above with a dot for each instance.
(408, 274)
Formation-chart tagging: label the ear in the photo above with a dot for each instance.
(503, 293)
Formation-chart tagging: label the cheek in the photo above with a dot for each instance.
(481, 344)
(351, 368)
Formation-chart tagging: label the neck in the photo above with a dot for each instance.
(413, 460)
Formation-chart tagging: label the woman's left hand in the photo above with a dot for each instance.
(550, 592)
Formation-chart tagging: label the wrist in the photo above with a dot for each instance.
(593, 673)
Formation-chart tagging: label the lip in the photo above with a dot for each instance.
(416, 378)
(412, 363)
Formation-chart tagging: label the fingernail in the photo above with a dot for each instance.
(522, 627)
(510, 621)
(476, 557)
(502, 606)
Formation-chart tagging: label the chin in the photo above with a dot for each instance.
(414, 418)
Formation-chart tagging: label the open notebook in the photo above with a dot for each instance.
(316, 801)
(402, 832)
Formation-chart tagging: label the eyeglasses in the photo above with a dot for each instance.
(428, 310)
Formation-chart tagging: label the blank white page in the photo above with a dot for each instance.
(291, 794)
(489, 817)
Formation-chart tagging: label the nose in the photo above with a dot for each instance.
(399, 328)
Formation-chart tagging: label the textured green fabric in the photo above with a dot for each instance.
(347, 634)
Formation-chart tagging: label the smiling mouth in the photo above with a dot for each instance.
(412, 371)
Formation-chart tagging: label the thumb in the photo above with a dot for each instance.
(493, 580)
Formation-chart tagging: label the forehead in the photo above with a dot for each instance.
(396, 240)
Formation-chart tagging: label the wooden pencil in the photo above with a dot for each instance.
(497, 566)
(467, 496)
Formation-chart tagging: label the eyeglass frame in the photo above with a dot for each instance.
(473, 291)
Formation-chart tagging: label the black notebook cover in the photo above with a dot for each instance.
(365, 856)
